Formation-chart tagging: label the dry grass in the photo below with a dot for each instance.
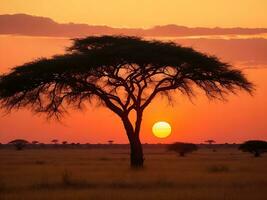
(218, 168)
(105, 174)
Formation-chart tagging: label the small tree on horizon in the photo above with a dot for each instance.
(35, 142)
(122, 73)
(210, 142)
(110, 142)
(256, 147)
(182, 148)
(19, 144)
(55, 141)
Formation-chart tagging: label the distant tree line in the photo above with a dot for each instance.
(255, 147)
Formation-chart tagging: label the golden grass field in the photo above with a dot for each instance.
(56, 174)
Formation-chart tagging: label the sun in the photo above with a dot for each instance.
(161, 129)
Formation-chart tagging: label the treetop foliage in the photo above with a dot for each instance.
(124, 73)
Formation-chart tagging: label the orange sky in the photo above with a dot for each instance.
(146, 13)
(242, 118)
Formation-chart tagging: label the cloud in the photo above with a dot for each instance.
(42, 26)
(249, 52)
(244, 53)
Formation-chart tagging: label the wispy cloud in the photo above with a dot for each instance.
(42, 26)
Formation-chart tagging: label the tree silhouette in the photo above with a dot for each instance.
(19, 143)
(182, 148)
(110, 142)
(35, 142)
(64, 142)
(122, 73)
(55, 141)
(210, 142)
(256, 147)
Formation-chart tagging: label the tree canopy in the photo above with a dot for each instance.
(256, 147)
(19, 143)
(182, 148)
(101, 66)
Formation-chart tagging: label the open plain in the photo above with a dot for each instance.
(104, 173)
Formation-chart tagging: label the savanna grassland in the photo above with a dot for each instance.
(57, 174)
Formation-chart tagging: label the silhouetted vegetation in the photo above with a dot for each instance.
(134, 71)
(35, 142)
(55, 141)
(182, 148)
(19, 143)
(210, 142)
(256, 147)
(110, 142)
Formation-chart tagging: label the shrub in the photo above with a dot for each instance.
(19, 143)
(182, 148)
(256, 147)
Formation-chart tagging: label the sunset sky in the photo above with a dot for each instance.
(242, 117)
(146, 13)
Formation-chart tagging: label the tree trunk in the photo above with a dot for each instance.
(137, 160)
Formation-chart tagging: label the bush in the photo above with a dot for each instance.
(19, 143)
(182, 148)
(256, 147)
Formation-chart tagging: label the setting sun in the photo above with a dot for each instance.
(161, 129)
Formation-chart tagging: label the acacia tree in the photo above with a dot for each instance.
(110, 142)
(34, 142)
(55, 141)
(182, 148)
(210, 142)
(256, 147)
(19, 143)
(122, 73)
